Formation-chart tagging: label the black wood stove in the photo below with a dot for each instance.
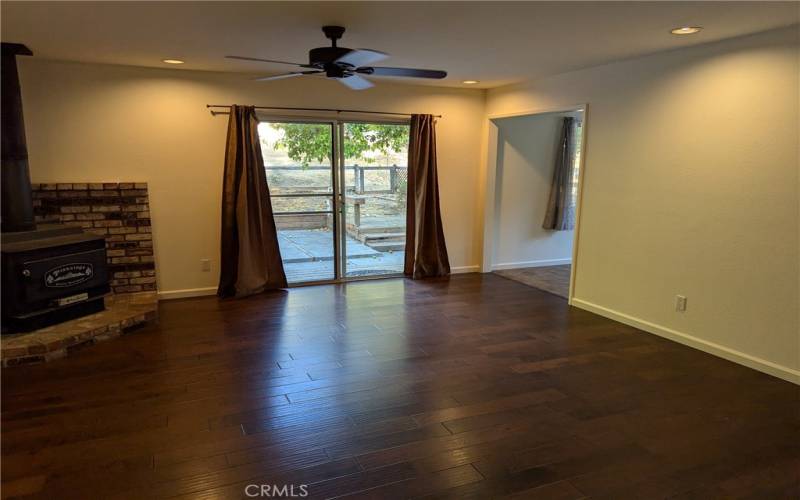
(52, 273)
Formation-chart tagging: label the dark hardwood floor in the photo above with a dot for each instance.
(476, 387)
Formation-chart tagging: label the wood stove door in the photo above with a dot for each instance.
(62, 276)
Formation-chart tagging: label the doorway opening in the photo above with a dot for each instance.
(338, 192)
(533, 198)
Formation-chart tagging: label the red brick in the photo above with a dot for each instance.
(105, 208)
(139, 251)
(142, 281)
(90, 216)
(135, 208)
(138, 237)
(75, 210)
(127, 274)
(71, 194)
(107, 223)
(125, 260)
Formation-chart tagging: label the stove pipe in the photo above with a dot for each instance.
(17, 203)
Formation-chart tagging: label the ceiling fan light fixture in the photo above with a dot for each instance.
(346, 65)
(686, 30)
(172, 61)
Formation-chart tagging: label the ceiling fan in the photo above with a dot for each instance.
(345, 65)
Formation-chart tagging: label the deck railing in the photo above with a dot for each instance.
(397, 176)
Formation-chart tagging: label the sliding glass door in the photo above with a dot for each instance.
(338, 193)
(300, 175)
(375, 173)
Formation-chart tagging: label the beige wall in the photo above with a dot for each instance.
(691, 182)
(526, 155)
(690, 187)
(114, 123)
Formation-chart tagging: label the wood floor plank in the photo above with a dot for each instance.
(470, 387)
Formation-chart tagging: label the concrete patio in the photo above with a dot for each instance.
(308, 256)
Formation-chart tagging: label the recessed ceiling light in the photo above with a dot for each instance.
(470, 82)
(686, 30)
(172, 61)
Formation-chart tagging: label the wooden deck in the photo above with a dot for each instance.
(473, 387)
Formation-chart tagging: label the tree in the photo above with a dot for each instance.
(310, 142)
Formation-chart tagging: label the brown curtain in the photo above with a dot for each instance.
(426, 253)
(250, 257)
(560, 206)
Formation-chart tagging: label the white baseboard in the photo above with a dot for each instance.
(530, 263)
(464, 269)
(762, 365)
(204, 292)
(187, 293)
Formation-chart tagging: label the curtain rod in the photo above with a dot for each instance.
(359, 111)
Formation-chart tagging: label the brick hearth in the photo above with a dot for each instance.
(123, 312)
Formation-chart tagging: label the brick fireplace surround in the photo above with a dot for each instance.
(119, 211)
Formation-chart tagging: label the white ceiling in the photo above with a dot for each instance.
(494, 42)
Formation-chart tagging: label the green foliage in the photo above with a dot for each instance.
(307, 142)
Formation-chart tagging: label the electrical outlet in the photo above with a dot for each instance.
(680, 303)
(205, 265)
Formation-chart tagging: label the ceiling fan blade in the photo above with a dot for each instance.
(406, 72)
(287, 75)
(362, 57)
(244, 58)
(356, 82)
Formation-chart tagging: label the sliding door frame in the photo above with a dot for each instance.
(341, 123)
(339, 195)
(333, 195)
